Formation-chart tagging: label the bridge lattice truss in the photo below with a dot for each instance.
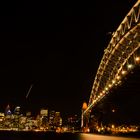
(124, 45)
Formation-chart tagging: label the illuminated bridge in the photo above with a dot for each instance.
(120, 57)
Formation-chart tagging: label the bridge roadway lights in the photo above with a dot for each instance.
(123, 47)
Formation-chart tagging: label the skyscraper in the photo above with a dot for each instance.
(57, 119)
(7, 110)
(51, 118)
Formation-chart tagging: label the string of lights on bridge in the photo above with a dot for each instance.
(116, 81)
(120, 57)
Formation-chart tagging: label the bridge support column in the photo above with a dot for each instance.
(85, 122)
(84, 119)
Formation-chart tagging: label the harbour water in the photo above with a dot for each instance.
(14, 135)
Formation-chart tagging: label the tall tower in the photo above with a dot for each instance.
(7, 110)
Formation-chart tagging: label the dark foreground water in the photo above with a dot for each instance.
(14, 135)
(11, 135)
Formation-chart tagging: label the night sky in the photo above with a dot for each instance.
(57, 47)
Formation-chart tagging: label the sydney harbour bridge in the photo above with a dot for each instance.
(120, 57)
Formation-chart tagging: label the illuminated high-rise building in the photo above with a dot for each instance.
(73, 122)
(17, 110)
(44, 112)
(57, 119)
(1, 116)
(44, 117)
(51, 118)
(28, 114)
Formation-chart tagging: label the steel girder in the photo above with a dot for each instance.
(124, 43)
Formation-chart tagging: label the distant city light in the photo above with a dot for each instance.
(113, 126)
(113, 110)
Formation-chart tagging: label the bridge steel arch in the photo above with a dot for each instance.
(121, 50)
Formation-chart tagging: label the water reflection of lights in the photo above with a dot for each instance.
(101, 137)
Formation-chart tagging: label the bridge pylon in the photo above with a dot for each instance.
(84, 119)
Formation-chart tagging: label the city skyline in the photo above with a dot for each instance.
(57, 50)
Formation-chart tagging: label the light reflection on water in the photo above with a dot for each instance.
(56, 136)
(101, 137)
